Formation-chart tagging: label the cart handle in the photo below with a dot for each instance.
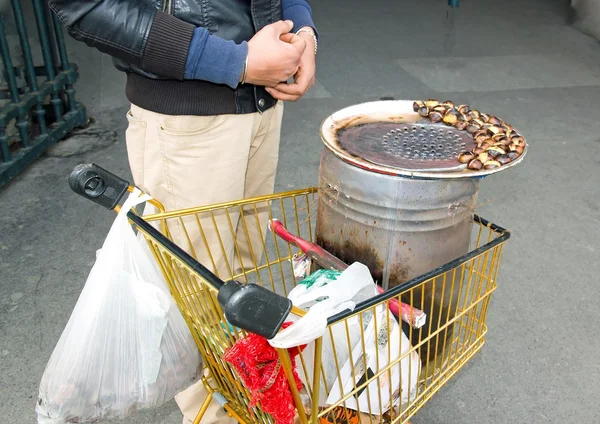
(101, 186)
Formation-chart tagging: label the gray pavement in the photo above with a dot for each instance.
(517, 59)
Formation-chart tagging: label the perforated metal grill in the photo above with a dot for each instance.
(415, 146)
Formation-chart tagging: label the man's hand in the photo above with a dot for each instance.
(274, 55)
(304, 78)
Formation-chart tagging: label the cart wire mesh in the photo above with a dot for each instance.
(232, 240)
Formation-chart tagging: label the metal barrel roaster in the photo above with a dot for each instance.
(394, 197)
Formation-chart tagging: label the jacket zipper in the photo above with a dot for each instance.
(168, 6)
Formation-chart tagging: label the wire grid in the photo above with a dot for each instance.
(459, 297)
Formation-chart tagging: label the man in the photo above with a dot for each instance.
(206, 80)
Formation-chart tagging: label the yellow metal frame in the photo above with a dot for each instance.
(470, 283)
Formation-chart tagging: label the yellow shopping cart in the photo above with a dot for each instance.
(231, 277)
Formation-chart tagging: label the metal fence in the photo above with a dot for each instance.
(38, 102)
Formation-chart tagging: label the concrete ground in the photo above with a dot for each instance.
(517, 59)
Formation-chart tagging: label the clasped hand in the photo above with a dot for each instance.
(275, 55)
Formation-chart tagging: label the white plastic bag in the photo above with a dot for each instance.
(331, 293)
(382, 346)
(126, 346)
(325, 299)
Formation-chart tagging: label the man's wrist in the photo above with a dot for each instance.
(309, 34)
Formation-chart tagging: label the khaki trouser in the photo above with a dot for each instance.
(190, 161)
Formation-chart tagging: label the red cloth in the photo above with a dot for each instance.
(258, 365)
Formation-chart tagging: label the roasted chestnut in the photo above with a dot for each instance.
(448, 103)
(475, 165)
(424, 111)
(513, 155)
(503, 159)
(495, 151)
(474, 114)
(466, 157)
(492, 128)
(479, 132)
(435, 116)
(515, 148)
(481, 138)
(517, 139)
(460, 125)
(451, 117)
(431, 103)
(464, 109)
(500, 138)
(483, 157)
(495, 121)
(491, 164)
(418, 105)
(472, 129)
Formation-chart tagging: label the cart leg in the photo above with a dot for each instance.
(233, 414)
(204, 407)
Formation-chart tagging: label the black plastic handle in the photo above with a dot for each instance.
(254, 308)
(98, 185)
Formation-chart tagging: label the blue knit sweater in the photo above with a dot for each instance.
(214, 59)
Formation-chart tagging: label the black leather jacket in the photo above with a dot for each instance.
(149, 40)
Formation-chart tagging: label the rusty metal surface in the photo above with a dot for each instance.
(420, 146)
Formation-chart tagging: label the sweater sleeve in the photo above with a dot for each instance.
(214, 59)
(299, 12)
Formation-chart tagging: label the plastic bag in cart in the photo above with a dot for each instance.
(381, 387)
(325, 293)
(126, 346)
